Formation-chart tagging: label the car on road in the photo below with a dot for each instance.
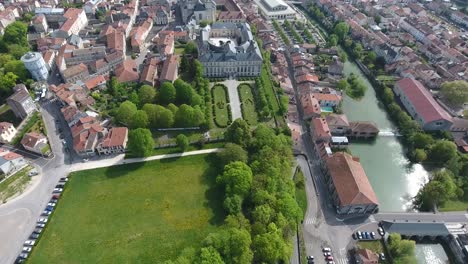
(32, 173)
(326, 254)
(55, 197)
(27, 249)
(310, 259)
(64, 179)
(49, 208)
(34, 236)
(326, 249)
(58, 190)
(40, 225)
(46, 213)
(382, 256)
(381, 231)
(42, 220)
(329, 258)
(51, 204)
(29, 242)
(372, 234)
(19, 260)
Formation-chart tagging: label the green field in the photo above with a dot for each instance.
(454, 205)
(221, 111)
(248, 104)
(136, 213)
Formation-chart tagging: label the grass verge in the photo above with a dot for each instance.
(453, 205)
(14, 184)
(35, 118)
(301, 196)
(136, 213)
(221, 111)
(248, 104)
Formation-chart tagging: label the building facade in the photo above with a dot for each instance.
(201, 10)
(21, 102)
(229, 49)
(36, 65)
(7, 132)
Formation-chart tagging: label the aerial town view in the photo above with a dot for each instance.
(234, 131)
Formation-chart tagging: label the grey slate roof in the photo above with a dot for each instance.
(416, 228)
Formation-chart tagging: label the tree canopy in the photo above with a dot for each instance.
(232, 152)
(237, 179)
(238, 132)
(146, 94)
(341, 30)
(182, 142)
(125, 112)
(455, 92)
(158, 116)
(167, 93)
(140, 142)
(437, 191)
(402, 250)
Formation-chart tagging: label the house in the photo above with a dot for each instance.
(139, 34)
(320, 130)
(420, 104)
(362, 129)
(170, 69)
(366, 256)
(127, 72)
(35, 142)
(116, 41)
(165, 43)
(307, 78)
(336, 67)
(114, 142)
(10, 162)
(339, 142)
(86, 134)
(40, 24)
(95, 83)
(7, 132)
(21, 102)
(162, 17)
(327, 99)
(75, 73)
(338, 124)
(349, 186)
(76, 21)
(150, 72)
(72, 115)
(310, 106)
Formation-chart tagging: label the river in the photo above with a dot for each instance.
(395, 180)
(431, 254)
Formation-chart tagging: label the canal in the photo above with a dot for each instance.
(394, 179)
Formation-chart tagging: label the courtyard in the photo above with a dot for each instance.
(135, 213)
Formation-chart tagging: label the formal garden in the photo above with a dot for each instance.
(221, 109)
(249, 112)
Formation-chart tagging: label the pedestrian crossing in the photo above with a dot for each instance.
(310, 221)
(341, 261)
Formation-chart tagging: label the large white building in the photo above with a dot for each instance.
(229, 50)
(36, 65)
(201, 10)
(276, 9)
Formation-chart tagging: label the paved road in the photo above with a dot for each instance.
(449, 217)
(234, 101)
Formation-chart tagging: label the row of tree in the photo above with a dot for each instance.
(259, 199)
(293, 31)
(281, 33)
(353, 86)
(402, 250)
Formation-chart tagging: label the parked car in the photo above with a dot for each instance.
(27, 249)
(24, 255)
(46, 213)
(49, 208)
(40, 225)
(29, 242)
(329, 258)
(326, 249)
(55, 197)
(59, 186)
(32, 173)
(382, 256)
(326, 254)
(310, 259)
(38, 230)
(42, 220)
(366, 235)
(359, 234)
(34, 236)
(58, 190)
(372, 234)
(381, 231)
(51, 204)
(64, 179)
(19, 260)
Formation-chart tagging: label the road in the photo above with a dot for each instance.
(449, 217)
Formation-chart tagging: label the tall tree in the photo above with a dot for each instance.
(236, 178)
(140, 142)
(158, 116)
(184, 92)
(442, 151)
(455, 92)
(146, 94)
(17, 67)
(234, 245)
(232, 152)
(238, 132)
(126, 112)
(16, 33)
(167, 93)
(209, 255)
(436, 192)
(139, 120)
(182, 142)
(341, 30)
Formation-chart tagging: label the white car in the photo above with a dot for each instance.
(326, 249)
(29, 242)
(326, 254)
(51, 204)
(27, 249)
(46, 213)
(58, 190)
(40, 225)
(42, 220)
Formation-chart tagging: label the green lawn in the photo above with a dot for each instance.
(179, 51)
(31, 123)
(135, 213)
(452, 205)
(248, 104)
(221, 111)
(301, 196)
(14, 184)
(375, 245)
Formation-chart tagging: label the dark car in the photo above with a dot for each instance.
(34, 236)
(37, 230)
(59, 186)
(19, 260)
(49, 208)
(310, 259)
(56, 197)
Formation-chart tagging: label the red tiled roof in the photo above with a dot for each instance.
(320, 128)
(169, 70)
(94, 82)
(350, 180)
(422, 100)
(5, 126)
(327, 97)
(31, 139)
(71, 15)
(116, 137)
(368, 256)
(11, 156)
(116, 40)
(307, 78)
(127, 71)
(310, 104)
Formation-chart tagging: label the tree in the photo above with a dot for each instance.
(341, 30)
(232, 152)
(133, 97)
(377, 19)
(191, 49)
(139, 120)
(173, 108)
(126, 112)
(7, 81)
(422, 140)
(436, 192)
(455, 92)
(182, 142)
(420, 155)
(209, 255)
(167, 93)
(146, 94)
(342, 85)
(358, 50)
(4, 58)
(184, 92)
(236, 178)
(238, 132)
(233, 204)
(233, 244)
(158, 116)
(17, 50)
(16, 33)
(442, 151)
(371, 57)
(332, 40)
(402, 250)
(140, 142)
(269, 247)
(388, 96)
(188, 116)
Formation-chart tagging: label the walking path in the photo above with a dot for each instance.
(234, 100)
(119, 160)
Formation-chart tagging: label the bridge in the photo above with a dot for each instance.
(449, 217)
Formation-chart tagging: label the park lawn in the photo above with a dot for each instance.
(136, 213)
(221, 110)
(454, 205)
(248, 104)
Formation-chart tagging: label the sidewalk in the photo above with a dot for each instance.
(119, 160)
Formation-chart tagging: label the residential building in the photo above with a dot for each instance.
(21, 102)
(72, 115)
(338, 124)
(150, 72)
(162, 17)
(275, 9)
(311, 106)
(349, 186)
(85, 56)
(76, 21)
(165, 43)
(7, 132)
(366, 256)
(170, 68)
(95, 83)
(420, 104)
(127, 71)
(200, 10)
(86, 134)
(139, 34)
(231, 17)
(116, 41)
(36, 65)
(35, 142)
(328, 99)
(40, 23)
(228, 49)
(76, 73)
(339, 142)
(362, 129)
(11, 162)
(320, 130)
(114, 142)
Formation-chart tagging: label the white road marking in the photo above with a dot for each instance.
(310, 221)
